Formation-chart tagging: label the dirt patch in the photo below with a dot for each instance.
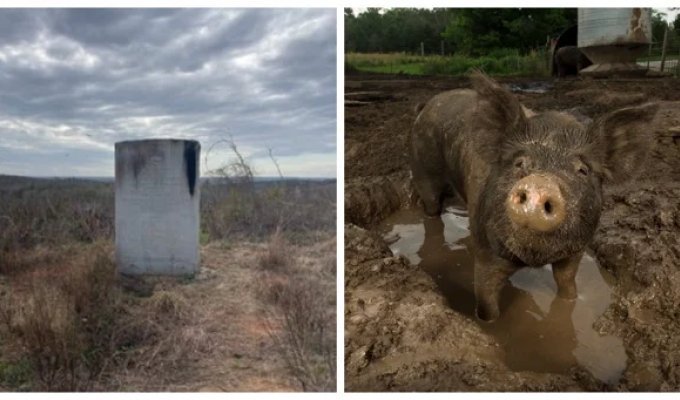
(605, 98)
(242, 355)
(403, 333)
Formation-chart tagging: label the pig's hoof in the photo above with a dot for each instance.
(432, 211)
(431, 206)
(486, 314)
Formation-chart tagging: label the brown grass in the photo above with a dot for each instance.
(277, 254)
(67, 323)
(51, 212)
(80, 331)
(306, 338)
(62, 317)
(158, 339)
(300, 316)
(69, 317)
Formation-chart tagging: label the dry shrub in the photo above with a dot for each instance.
(323, 254)
(158, 337)
(277, 255)
(40, 257)
(232, 210)
(63, 315)
(169, 305)
(9, 262)
(79, 331)
(302, 326)
(47, 211)
(238, 205)
(50, 212)
(330, 266)
(269, 285)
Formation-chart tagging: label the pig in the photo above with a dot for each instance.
(532, 181)
(569, 60)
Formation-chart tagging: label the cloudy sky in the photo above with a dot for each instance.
(74, 82)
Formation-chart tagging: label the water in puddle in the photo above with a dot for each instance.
(538, 330)
(531, 87)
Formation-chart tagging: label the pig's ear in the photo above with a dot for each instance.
(625, 140)
(505, 111)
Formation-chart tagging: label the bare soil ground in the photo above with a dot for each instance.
(400, 332)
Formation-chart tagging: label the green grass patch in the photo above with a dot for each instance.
(204, 238)
(669, 57)
(392, 63)
(17, 375)
(502, 62)
(408, 69)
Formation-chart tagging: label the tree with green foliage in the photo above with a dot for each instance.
(659, 25)
(468, 31)
(476, 31)
(395, 29)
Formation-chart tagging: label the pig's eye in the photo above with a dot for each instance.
(583, 170)
(521, 163)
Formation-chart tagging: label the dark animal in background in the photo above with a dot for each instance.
(532, 181)
(569, 60)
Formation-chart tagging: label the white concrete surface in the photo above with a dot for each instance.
(157, 207)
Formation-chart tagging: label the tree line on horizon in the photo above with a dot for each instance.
(469, 31)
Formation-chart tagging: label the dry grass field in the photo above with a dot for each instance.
(260, 315)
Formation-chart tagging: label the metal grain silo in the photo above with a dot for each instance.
(157, 207)
(613, 38)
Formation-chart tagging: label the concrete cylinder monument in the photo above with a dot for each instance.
(613, 38)
(157, 207)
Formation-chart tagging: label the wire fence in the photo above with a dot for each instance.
(664, 54)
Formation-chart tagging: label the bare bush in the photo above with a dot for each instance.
(277, 254)
(302, 326)
(236, 204)
(63, 316)
(51, 212)
(79, 331)
(157, 338)
(307, 206)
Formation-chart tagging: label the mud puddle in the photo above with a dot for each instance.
(537, 330)
(532, 87)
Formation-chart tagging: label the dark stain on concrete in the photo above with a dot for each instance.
(138, 162)
(191, 149)
(131, 157)
(120, 167)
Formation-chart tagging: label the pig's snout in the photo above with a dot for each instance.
(536, 202)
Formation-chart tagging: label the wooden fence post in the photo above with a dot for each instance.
(677, 63)
(663, 48)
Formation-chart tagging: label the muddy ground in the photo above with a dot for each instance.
(402, 332)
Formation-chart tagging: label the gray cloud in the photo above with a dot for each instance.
(75, 81)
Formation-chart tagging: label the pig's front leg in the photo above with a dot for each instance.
(430, 191)
(564, 272)
(491, 274)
